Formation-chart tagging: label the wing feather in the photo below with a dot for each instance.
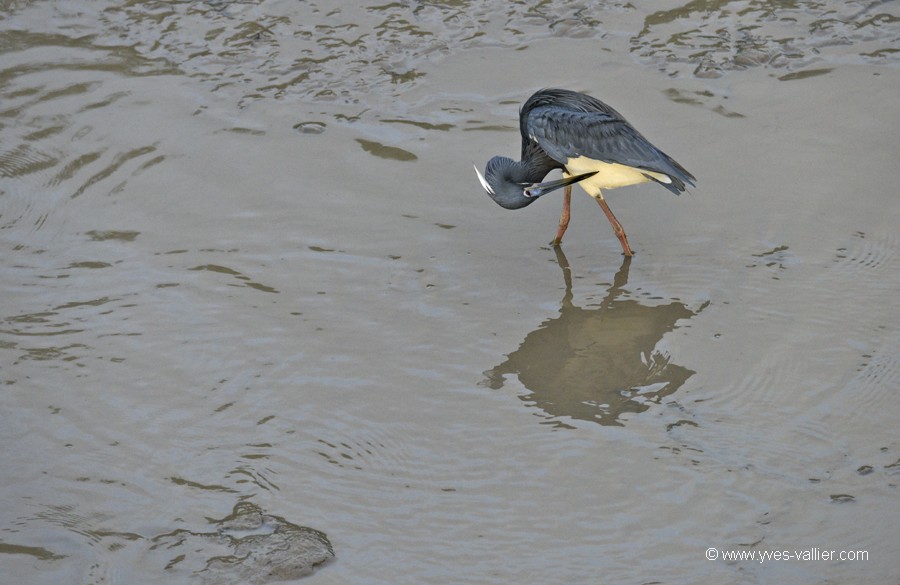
(601, 135)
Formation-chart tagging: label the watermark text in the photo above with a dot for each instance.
(806, 554)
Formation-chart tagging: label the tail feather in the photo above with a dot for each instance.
(678, 176)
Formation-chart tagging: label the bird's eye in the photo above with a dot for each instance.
(532, 190)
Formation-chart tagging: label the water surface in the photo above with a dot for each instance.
(253, 297)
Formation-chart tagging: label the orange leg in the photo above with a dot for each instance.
(617, 227)
(564, 218)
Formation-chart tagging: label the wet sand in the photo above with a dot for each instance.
(246, 262)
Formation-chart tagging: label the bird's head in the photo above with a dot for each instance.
(505, 182)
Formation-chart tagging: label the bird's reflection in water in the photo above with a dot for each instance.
(597, 363)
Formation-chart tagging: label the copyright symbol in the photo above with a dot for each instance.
(712, 554)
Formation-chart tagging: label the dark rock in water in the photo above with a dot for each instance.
(248, 547)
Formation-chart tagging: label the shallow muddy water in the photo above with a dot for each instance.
(260, 322)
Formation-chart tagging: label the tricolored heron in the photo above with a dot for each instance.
(592, 144)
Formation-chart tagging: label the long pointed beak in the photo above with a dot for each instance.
(539, 189)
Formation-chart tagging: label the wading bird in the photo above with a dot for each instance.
(592, 144)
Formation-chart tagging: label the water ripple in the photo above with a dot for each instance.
(712, 39)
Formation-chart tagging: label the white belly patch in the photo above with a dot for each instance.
(609, 175)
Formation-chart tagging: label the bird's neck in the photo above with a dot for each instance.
(536, 163)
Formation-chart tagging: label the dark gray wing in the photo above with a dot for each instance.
(604, 136)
